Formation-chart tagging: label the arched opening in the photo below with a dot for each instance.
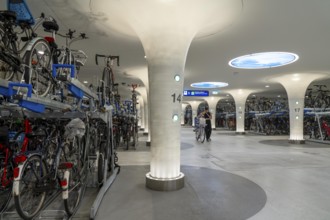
(188, 116)
(225, 114)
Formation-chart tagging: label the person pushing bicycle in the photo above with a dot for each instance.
(208, 128)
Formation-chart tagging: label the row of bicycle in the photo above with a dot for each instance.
(30, 59)
(42, 158)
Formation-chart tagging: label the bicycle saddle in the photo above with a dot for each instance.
(8, 15)
(50, 25)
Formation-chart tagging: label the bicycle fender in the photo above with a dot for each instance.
(32, 42)
(17, 181)
(64, 184)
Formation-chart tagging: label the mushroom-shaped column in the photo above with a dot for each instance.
(144, 98)
(240, 97)
(183, 112)
(212, 102)
(194, 107)
(141, 112)
(166, 29)
(144, 94)
(295, 86)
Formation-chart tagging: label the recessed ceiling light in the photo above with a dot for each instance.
(145, 57)
(215, 92)
(263, 60)
(279, 96)
(209, 85)
(177, 78)
(267, 86)
(227, 95)
(175, 117)
(85, 82)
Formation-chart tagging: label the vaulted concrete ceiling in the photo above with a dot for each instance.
(298, 26)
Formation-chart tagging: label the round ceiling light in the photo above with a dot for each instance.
(209, 85)
(263, 60)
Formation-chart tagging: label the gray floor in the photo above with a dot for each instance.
(232, 177)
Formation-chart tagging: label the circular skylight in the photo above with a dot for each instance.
(209, 85)
(263, 60)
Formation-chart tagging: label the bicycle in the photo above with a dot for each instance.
(14, 146)
(45, 81)
(200, 130)
(107, 82)
(135, 128)
(61, 165)
(16, 62)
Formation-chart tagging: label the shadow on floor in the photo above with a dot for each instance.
(208, 194)
(285, 143)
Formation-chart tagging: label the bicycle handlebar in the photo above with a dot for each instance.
(107, 57)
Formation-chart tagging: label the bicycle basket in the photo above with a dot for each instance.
(202, 122)
(19, 139)
(80, 57)
(76, 127)
(22, 11)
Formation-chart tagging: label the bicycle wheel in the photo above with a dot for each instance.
(78, 176)
(202, 137)
(29, 200)
(101, 163)
(106, 86)
(38, 63)
(197, 133)
(7, 62)
(5, 188)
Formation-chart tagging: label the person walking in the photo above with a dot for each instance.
(208, 128)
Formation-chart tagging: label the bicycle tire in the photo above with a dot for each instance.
(101, 163)
(6, 71)
(37, 60)
(202, 138)
(6, 192)
(197, 134)
(78, 177)
(33, 169)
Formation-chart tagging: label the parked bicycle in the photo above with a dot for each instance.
(107, 82)
(16, 60)
(61, 165)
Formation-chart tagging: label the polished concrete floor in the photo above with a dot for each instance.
(232, 177)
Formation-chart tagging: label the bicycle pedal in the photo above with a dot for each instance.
(65, 166)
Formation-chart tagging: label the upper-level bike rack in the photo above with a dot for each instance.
(19, 100)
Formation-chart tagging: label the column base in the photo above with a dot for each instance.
(296, 141)
(148, 143)
(158, 184)
(240, 132)
(145, 133)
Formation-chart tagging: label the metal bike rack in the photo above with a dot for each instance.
(51, 109)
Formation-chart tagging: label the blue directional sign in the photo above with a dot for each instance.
(195, 93)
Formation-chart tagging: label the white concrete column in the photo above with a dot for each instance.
(240, 96)
(144, 94)
(194, 107)
(166, 29)
(141, 112)
(183, 112)
(146, 116)
(212, 102)
(295, 86)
